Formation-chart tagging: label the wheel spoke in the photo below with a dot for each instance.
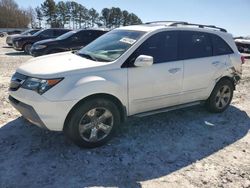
(227, 95)
(84, 127)
(105, 128)
(224, 89)
(93, 135)
(107, 114)
(223, 102)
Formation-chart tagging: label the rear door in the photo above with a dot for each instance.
(200, 65)
(159, 85)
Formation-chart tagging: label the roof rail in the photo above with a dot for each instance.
(170, 22)
(176, 23)
(199, 25)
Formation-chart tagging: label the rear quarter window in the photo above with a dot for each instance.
(220, 47)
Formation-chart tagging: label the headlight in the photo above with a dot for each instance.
(40, 85)
(38, 47)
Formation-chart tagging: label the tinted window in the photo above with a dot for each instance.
(194, 45)
(47, 33)
(220, 47)
(161, 46)
(85, 36)
(59, 32)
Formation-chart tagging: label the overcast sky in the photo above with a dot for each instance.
(233, 15)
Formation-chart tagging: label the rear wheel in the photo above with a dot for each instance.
(221, 96)
(93, 123)
(27, 48)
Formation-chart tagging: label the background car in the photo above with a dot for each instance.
(72, 40)
(3, 34)
(13, 32)
(243, 45)
(24, 43)
(9, 39)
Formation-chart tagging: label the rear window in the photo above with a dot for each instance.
(194, 45)
(220, 47)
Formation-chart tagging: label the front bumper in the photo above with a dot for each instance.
(39, 110)
(36, 53)
(27, 112)
(9, 41)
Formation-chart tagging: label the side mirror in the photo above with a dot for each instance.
(144, 61)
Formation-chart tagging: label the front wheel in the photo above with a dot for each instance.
(27, 48)
(221, 96)
(92, 123)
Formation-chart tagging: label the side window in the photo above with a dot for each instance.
(161, 46)
(84, 37)
(194, 45)
(220, 47)
(58, 32)
(47, 33)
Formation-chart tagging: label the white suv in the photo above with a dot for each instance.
(135, 70)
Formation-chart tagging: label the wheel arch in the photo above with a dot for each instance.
(121, 107)
(227, 78)
(23, 47)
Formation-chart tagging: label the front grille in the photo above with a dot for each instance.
(17, 81)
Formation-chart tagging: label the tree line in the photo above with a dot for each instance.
(68, 14)
(11, 16)
(75, 15)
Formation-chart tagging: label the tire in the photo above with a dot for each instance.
(92, 123)
(221, 96)
(27, 48)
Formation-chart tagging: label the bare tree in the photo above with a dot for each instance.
(11, 16)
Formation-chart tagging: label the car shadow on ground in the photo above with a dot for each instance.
(144, 149)
(18, 53)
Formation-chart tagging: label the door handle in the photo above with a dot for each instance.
(174, 70)
(215, 63)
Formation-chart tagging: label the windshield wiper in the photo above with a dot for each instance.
(88, 56)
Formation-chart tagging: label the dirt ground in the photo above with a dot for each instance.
(182, 148)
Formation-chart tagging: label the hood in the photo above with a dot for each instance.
(58, 65)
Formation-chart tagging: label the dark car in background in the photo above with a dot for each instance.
(13, 32)
(72, 40)
(9, 39)
(24, 43)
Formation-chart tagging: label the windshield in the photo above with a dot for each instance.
(66, 35)
(26, 32)
(111, 45)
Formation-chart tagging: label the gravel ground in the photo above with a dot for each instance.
(183, 148)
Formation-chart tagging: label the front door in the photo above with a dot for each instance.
(159, 85)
